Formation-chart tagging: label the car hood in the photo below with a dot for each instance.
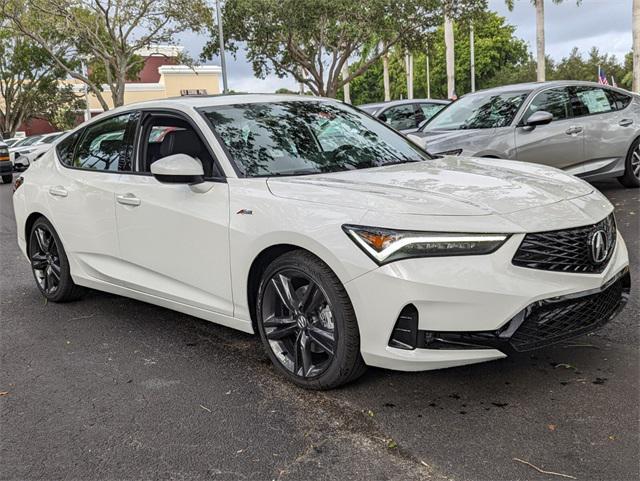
(446, 186)
(434, 139)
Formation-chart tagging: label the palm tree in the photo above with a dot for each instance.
(385, 75)
(539, 4)
(449, 43)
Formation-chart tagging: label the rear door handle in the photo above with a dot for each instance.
(128, 199)
(573, 130)
(58, 191)
(625, 122)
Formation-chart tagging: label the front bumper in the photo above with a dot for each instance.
(456, 296)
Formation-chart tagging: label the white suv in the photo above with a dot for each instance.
(335, 238)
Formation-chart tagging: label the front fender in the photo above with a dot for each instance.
(310, 226)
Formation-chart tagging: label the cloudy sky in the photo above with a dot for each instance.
(602, 23)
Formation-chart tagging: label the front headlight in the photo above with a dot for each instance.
(386, 245)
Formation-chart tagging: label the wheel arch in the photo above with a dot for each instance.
(258, 266)
(28, 225)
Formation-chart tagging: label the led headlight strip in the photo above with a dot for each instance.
(387, 245)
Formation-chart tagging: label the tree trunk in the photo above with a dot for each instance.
(301, 84)
(385, 75)
(540, 39)
(636, 46)
(450, 56)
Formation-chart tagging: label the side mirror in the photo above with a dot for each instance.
(178, 169)
(382, 117)
(541, 117)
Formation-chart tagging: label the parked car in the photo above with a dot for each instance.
(586, 129)
(405, 115)
(6, 167)
(13, 140)
(28, 150)
(334, 237)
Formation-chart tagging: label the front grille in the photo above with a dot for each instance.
(550, 321)
(568, 250)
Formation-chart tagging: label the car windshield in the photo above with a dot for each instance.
(479, 111)
(306, 137)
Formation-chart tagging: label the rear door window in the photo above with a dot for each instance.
(591, 100)
(106, 146)
(65, 148)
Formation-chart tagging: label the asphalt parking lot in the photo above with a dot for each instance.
(112, 388)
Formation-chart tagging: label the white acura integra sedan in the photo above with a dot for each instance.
(336, 239)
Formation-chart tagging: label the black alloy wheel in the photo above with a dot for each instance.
(307, 323)
(298, 322)
(45, 260)
(49, 263)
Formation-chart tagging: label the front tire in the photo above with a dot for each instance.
(631, 177)
(49, 263)
(307, 323)
(7, 179)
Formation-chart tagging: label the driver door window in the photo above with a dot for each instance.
(163, 136)
(555, 101)
(402, 117)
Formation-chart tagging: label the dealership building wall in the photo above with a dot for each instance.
(161, 77)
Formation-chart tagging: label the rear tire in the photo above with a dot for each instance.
(631, 177)
(307, 324)
(49, 263)
(7, 179)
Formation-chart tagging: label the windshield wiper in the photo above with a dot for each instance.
(398, 162)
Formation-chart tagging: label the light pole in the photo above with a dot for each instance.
(223, 63)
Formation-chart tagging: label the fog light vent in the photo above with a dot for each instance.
(405, 332)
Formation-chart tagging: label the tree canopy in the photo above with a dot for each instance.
(105, 34)
(496, 49)
(311, 41)
(500, 59)
(29, 85)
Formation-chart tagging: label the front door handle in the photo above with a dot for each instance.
(625, 122)
(128, 199)
(58, 191)
(573, 130)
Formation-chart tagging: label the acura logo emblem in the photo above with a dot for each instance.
(598, 247)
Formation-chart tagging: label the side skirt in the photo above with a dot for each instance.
(228, 321)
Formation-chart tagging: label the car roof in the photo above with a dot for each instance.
(199, 101)
(536, 86)
(402, 102)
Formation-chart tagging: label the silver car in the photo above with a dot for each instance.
(405, 115)
(586, 129)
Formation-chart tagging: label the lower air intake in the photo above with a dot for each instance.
(405, 332)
